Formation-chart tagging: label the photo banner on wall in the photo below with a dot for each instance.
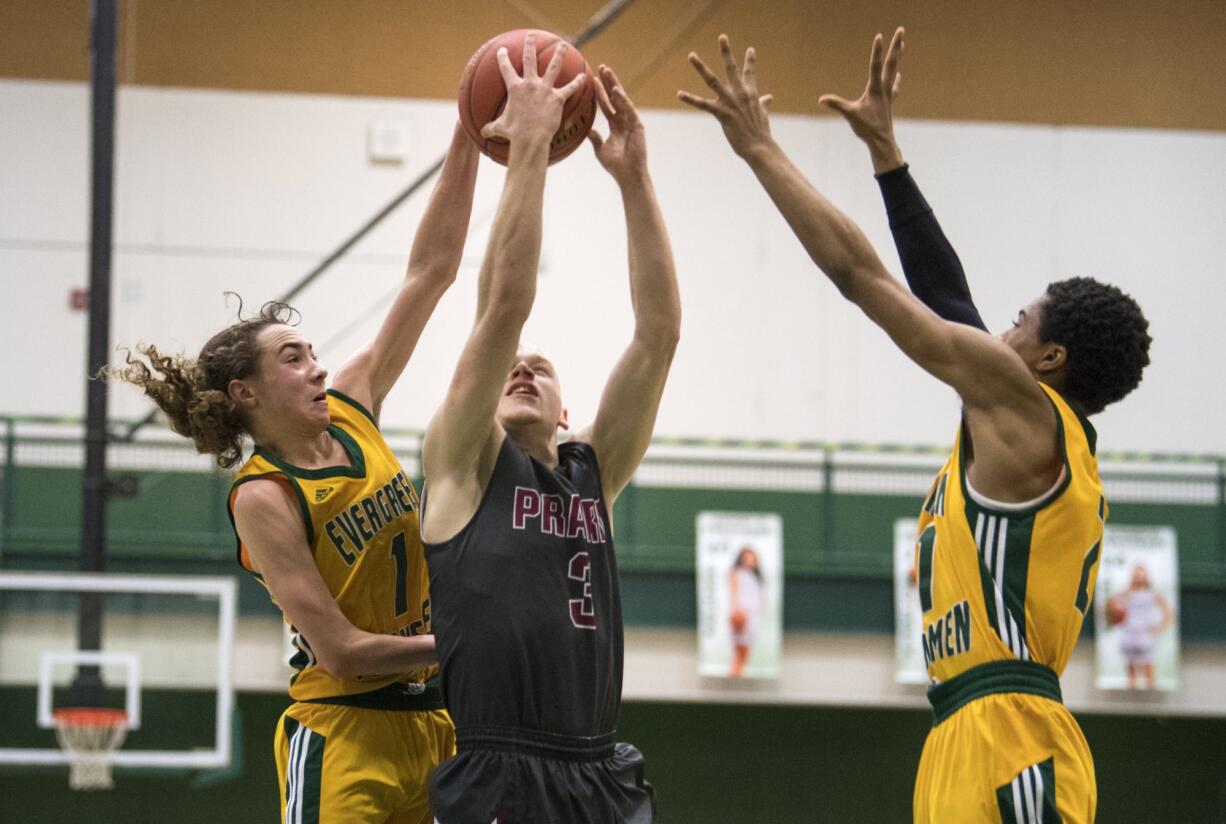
(1136, 609)
(740, 594)
(909, 667)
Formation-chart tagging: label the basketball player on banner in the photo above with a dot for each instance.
(516, 525)
(1010, 533)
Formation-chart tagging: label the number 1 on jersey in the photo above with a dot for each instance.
(401, 556)
(927, 548)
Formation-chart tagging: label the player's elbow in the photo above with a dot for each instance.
(856, 283)
(337, 660)
(660, 327)
(435, 273)
(506, 311)
(665, 335)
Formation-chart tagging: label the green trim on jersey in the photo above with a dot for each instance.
(1030, 798)
(934, 504)
(1044, 502)
(342, 396)
(990, 679)
(1004, 568)
(302, 506)
(1083, 586)
(357, 468)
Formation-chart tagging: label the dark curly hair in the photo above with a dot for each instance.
(193, 393)
(1106, 336)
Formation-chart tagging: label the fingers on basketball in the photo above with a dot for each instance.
(488, 74)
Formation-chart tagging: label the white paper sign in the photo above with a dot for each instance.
(909, 667)
(740, 594)
(1136, 609)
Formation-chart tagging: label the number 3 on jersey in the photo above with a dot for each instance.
(582, 610)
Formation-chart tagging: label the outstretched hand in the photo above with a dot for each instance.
(740, 109)
(623, 153)
(871, 117)
(534, 106)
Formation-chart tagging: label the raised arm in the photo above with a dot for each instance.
(932, 268)
(268, 519)
(463, 437)
(1010, 416)
(433, 262)
(626, 416)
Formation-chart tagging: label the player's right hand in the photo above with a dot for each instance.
(534, 106)
(740, 109)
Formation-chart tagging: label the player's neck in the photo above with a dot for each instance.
(308, 451)
(539, 443)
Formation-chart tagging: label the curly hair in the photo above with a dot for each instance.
(1106, 335)
(194, 393)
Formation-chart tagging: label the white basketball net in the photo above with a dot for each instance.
(90, 737)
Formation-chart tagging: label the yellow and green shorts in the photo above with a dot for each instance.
(337, 761)
(1003, 748)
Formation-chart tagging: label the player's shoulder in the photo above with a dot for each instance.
(577, 449)
(259, 495)
(577, 458)
(351, 413)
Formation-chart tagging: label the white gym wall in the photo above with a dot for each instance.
(245, 192)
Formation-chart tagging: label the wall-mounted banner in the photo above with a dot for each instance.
(740, 594)
(909, 667)
(1136, 609)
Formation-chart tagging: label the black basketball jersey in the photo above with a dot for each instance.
(526, 607)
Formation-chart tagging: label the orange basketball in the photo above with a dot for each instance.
(1115, 613)
(483, 94)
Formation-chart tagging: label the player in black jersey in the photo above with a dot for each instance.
(519, 542)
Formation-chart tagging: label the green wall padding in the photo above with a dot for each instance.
(709, 763)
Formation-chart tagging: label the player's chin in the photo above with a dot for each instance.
(518, 418)
(513, 414)
(318, 415)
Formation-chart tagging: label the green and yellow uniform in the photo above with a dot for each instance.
(1004, 589)
(358, 749)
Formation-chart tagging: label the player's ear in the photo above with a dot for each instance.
(1053, 358)
(241, 394)
(564, 419)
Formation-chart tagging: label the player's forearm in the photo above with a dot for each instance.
(653, 277)
(369, 654)
(439, 242)
(932, 268)
(508, 275)
(832, 240)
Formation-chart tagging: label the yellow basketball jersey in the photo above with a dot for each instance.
(361, 525)
(1003, 582)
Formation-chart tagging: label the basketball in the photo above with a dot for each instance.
(483, 93)
(1115, 613)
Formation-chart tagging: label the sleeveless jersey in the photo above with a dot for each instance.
(527, 612)
(1001, 582)
(361, 525)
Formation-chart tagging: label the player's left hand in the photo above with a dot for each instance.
(871, 116)
(738, 106)
(623, 153)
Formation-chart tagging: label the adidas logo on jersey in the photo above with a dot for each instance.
(322, 493)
